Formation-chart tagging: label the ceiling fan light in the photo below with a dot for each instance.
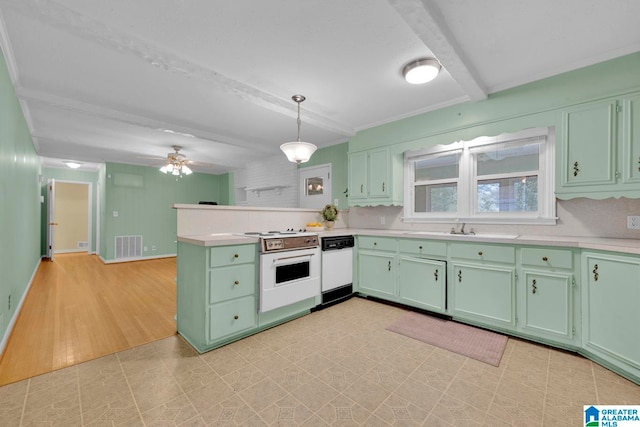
(298, 152)
(421, 70)
(186, 170)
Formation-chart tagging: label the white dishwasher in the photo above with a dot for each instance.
(337, 269)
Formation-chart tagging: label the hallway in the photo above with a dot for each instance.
(79, 309)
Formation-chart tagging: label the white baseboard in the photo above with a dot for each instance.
(144, 258)
(16, 313)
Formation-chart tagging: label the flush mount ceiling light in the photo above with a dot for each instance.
(72, 165)
(421, 70)
(176, 163)
(298, 152)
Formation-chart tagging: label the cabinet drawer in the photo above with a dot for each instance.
(377, 243)
(230, 255)
(231, 317)
(424, 247)
(551, 258)
(231, 282)
(484, 252)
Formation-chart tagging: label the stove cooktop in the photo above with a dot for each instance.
(285, 233)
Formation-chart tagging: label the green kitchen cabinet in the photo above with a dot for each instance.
(358, 176)
(631, 139)
(600, 149)
(375, 178)
(482, 284)
(217, 288)
(548, 305)
(422, 283)
(547, 290)
(611, 316)
(377, 264)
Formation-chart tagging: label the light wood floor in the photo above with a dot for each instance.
(79, 309)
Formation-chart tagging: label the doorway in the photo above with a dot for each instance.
(315, 186)
(69, 217)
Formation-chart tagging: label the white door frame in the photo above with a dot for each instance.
(89, 213)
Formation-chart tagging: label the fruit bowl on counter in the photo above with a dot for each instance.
(314, 226)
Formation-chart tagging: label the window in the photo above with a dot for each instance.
(504, 179)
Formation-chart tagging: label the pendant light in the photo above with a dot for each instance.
(298, 151)
(421, 70)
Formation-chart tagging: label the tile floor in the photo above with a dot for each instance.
(338, 366)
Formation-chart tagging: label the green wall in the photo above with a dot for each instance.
(143, 197)
(73, 176)
(337, 156)
(531, 105)
(19, 203)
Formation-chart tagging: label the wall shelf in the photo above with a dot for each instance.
(276, 188)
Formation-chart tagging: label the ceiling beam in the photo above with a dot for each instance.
(95, 31)
(56, 103)
(426, 21)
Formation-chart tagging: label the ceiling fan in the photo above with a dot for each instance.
(177, 163)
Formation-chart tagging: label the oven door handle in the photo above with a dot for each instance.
(286, 259)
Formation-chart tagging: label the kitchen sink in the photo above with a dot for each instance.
(465, 236)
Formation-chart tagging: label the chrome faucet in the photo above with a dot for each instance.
(453, 230)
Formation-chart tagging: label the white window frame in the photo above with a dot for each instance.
(468, 181)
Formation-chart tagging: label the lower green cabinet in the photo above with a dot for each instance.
(377, 273)
(483, 293)
(422, 283)
(611, 308)
(231, 317)
(547, 309)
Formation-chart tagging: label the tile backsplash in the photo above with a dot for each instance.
(576, 217)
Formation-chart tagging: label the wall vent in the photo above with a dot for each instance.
(82, 245)
(128, 247)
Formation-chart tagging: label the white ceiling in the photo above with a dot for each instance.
(121, 80)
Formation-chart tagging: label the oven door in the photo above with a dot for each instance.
(288, 277)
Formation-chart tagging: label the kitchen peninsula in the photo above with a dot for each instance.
(573, 293)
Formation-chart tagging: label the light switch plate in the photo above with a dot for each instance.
(633, 222)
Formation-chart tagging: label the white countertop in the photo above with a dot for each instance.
(631, 246)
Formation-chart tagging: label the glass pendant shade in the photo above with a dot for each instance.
(298, 152)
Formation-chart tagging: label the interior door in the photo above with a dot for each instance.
(51, 192)
(315, 186)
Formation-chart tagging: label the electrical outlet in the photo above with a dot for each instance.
(115, 214)
(336, 202)
(383, 220)
(145, 249)
(633, 222)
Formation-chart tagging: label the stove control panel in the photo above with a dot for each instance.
(289, 243)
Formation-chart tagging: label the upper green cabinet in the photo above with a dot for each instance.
(600, 154)
(375, 178)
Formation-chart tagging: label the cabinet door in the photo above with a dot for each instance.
(483, 293)
(613, 293)
(358, 176)
(422, 283)
(589, 144)
(377, 273)
(631, 139)
(548, 304)
(379, 173)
